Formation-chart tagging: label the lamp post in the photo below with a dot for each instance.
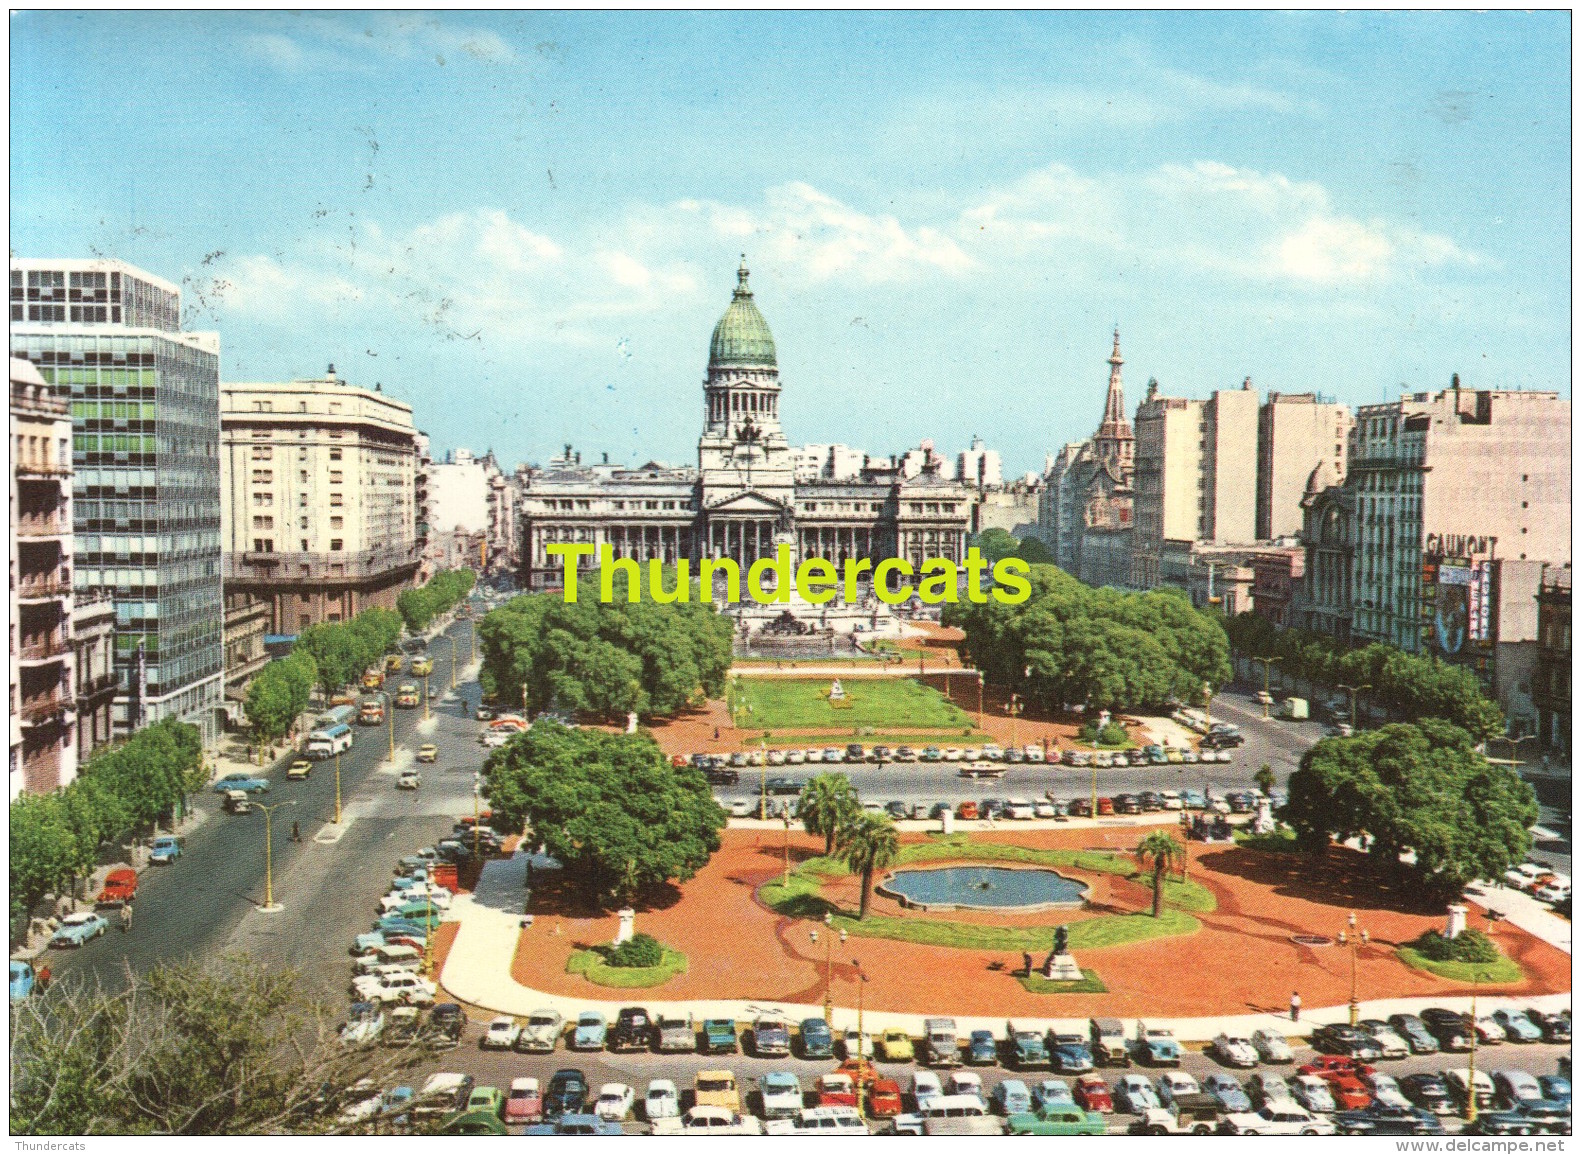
(787, 850)
(979, 699)
(1013, 708)
(828, 964)
(269, 906)
(1471, 1058)
(861, 1084)
(1354, 690)
(1268, 664)
(763, 785)
(1355, 939)
(337, 787)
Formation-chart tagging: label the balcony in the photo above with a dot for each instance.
(43, 651)
(38, 711)
(92, 689)
(40, 527)
(291, 568)
(34, 470)
(43, 591)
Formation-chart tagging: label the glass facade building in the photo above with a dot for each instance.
(144, 402)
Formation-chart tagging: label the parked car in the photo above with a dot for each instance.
(1172, 1085)
(446, 1021)
(567, 1093)
(76, 929)
(1461, 1087)
(1026, 1047)
(1157, 1046)
(1108, 1044)
(1092, 1094)
(1388, 1119)
(633, 1030)
(1343, 1039)
(1277, 1119)
(770, 1037)
(364, 1024)
(982, 1049)
(445, 1093)
(817, 1041)
(1390, 1042)
(1052, 1119)
(1069, 1053)
(246, 783)
(676, 1034)
(1556, 1088)
(164, 851)
(500, 1034)
(894, 1046)
(1517, 1027)
(1234, 1050)
(719, 1037)
(1227, 1092)
(615, 1101)
(1450, 1028)
(1135, 1094)
(1555, 1027)
(524, 1102)
(540, 1033)
(1515, 1087)
(1052, 1093)
(779, 1095)
(661, 1101)
(1415, 1033)
(589, 1032)
(835, 1089)
(1428, 1091)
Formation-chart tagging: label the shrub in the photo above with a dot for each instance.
(1111, 735)
(1470, 946)
(640, 950)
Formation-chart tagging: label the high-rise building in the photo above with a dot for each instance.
(1442, 486)
(1551, 678)
(43, 752)
(144, 400)
(1294, 433)
(320, 498)
(979, 466)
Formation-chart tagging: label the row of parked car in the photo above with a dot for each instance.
(1541, 881)
(772, 804)
(1032, 753)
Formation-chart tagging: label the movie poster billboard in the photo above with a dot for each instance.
(1452, 608)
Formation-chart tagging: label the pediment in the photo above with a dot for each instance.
(743, 501)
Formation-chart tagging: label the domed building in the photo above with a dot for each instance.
(743, 492)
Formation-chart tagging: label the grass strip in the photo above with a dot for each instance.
(591, 965)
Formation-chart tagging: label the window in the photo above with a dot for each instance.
(263, 497)
(263, 522)
(263, 545)
(262, 453)
(304, 523)
(334, 453)
(334, 523)
(336, 545)
(265, 475)
(335, 499)
(263, 406)
(336, 477)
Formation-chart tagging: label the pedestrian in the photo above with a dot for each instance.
(1295, 1006)
(126, 917)
(296, 833)
(1026, 963)
(716, 733)
(43, 978)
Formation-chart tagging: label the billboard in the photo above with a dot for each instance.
(1452, 607)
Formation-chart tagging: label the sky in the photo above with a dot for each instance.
(527, 224)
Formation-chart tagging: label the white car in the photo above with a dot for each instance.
(781, 1095)
(993, 753)
(1278, 1119)
(1552, 892)
(500, 1034)
(1044, 809)
(541, 1032)
(437, 896)
(1173, 1084)
(1386, 1090)
(795, 757)
(364, 1026)
(741, 808)
(1019, 808)
(776, 757)
(1172, 799)
(1313, 1094)
(1269, 1089)
(925, 1085)
(854, 1045)
(965, 1083)
(1032, 752)
(1524, 875)
(615, 1101)
(1271, 1046)
(662, 1100)
(1389, 1042)
(404, 987)
(814, 755)
(363, 1109)
(1235, 1050)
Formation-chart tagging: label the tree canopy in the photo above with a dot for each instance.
(996, 543)
(279, 693)
(420, 606)
(341, 651)
(827, 805)
(1408, 685)
(1069, 643)
(1419, 787)
(609, 807)
(608, 660)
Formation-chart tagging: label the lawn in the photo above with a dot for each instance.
(1501, 970)
(802, 898)
(591, 965)
(803, 704)
(1090, 984)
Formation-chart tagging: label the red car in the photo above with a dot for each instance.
(967, 811)
(1325, 1065)
(120, 886)
(1105, 806)
(525, 1102)
(836, 1090)
(883, 1098)
(1349, 1092)
(679, 760)
(1092, 1094)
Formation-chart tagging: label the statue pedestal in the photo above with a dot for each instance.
(628, 918)
(1455, 924)
(1063, 968)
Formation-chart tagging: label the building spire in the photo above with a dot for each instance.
(742, 288)
(1114, 404)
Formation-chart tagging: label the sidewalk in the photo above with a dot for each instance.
(1525, 912)
(477, 971)
(906, 669)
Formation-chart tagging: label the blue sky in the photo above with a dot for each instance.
(527, 223)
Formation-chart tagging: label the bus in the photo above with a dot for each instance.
(339, 716)
(329, 741)
(372, 713)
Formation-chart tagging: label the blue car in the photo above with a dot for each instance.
(165, 850)
(817, 1041)
(364, 943)
(1052, 1093)
(22, 980)
(76, 929)
(246, 783)
(981, 1048)
(1158, 1046)
(1228, 1092)
(1011, 1097)
(1070, 1054)
(1556, 1088)
(575, 1124)
(1518, 1027)
(588, 1035)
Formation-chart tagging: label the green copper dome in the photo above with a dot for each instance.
(742, 336)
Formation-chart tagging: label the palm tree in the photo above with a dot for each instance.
(869, 843)
(1159, 852)
(827, 803)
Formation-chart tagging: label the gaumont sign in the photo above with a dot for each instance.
(1458, 545)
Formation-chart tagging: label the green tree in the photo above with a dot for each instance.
(231, 1047)
(609, 807)
(336, 654)
(1264, 779)
(43, 852)
(827, 804)
(994, 544)
(869, 843)
(1419, 787)
(271, 707)
(1034, 552)
(1160, 853)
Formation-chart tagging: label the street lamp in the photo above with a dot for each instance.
(787, 848)
(828, 964)
(1014, 708)
(1354, 690)
(763, 782)
(861, 1084)
(1471, 1059)
(270, 906)
(1267, 666)
(1355, 939)
(337, 787)
(979, 699)
(389, 717)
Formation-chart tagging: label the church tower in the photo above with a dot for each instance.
(1114, 444)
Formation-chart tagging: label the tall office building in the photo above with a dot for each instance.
(320, 515)
(145, 426)
(1295, 431)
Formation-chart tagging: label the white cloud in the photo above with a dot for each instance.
(346, 42)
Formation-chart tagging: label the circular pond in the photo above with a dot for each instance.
(983, 888)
